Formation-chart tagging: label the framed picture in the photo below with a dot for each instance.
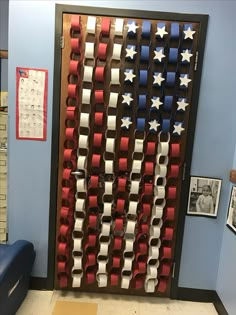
(204, 194)
(231, 217)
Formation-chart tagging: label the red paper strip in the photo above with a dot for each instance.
(90, 260)
(64, 230)
(168, 234)
(162, 285)
(92, 221)
(70, 133)
(117, 243)
(122, 184)
(123, 164)
(174, 150)
(166, 252)
(96, 159)
(75, 22)
(91, 241)
(124, 143)
(114, 279)
(66, 173)
(90, 277)
(151, 148)
(99, 96)
(138, 283)
(148, 168)
(115, 262)
(148, 189)
(120, 205)
(100, 74)
(146, 209)
(63, 281)
(93, 201)
(75, 45)
(93, 183)
(98, 118)
(62, 267)
(69, 154)
(62, 249)
(105, 26)
(173, 171)
(102, 51)
(72, 90)
(170, 214)
(65, 212)
(165, 270)
(97, 139)
(171, 192)
(119, 224)
(71, 113)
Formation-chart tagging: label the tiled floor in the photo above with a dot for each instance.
(42, 303)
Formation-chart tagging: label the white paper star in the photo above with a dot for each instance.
(132, 27)
(158, 79)
(126, 122)
(161, 31)
(129, 76)
(182, 104)
(186, 55)
(158, 55)
(189, 33)
(153, 125)
(130, 52)
(127, 98)
(185, 80)
(156, 102)
(178, 128)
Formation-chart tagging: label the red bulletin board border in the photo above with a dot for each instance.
(20, 71)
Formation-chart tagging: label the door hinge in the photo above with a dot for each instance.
(184, 171)
(196, 61)
(173, 270)
(62, 42)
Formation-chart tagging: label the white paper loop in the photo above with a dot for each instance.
(77, 263)
(116, 51)
(78, 225)
(125, 280)
(80, 204)
(102, 280)
(77, 246)
(76, 280)
(130, 227)
(133, 207)
(89, 50)
(134, 188)
(111, 122)
(108, 188)
(107, 209)
(138, 145)
(109, 166)
(82, 162)
(84, 120)
(88, 74)
(81, 185)
(136, 166)
(113, 99)
(105, 229)
(115, 76)
(119, 23)
(83, 141)
(110, 145)
(91, 24)
(86, 96)
(127, 264)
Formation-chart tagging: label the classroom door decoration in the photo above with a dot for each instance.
(126, 95)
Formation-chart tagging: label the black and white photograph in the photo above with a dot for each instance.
(204, 194)
(231, 217)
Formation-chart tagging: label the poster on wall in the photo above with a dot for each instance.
(204, 194)
(31, 103)
(231, 218)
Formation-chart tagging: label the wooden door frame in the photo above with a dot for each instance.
(70, 9)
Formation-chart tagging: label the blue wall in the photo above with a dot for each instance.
(4, 8)
(29, 162)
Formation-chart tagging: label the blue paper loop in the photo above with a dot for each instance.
(168, 102)
(170, 79)
(142, 100)
(174, 31)
(173, 55)
(140, 124)
(144, 54)
(165, 125)
(146, 29)
(143, 76)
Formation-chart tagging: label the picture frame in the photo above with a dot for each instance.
(231, 216)
(204, 195)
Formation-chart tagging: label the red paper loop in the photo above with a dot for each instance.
(65, 212)
(96, 159)
(90, 277)
(70, 133)
(63, 281)
(115, 262)
(173, 171)
(99, 96)
(74, 67)
(90, 260)
(92, 221)
(119, 224)
(98, 118)
(100, 74)
(75, 45)
(117, 243)
(148, 189)
(123, 164)
(162, 285)
(124, 144)
(97, 139)
(168, 234)
(66, 173)
(174, 150)
(165, 270)
(114, 279)
(138, 283)
(91, 241)
(67, 193)
(142, 248)
(102, 51)
(72, 90)
(170, 214)
(75, 22)
(62, 267)
(122, 184)
(144, 228)
(166, 252)
(149, 168)
(120, 205)
(151, 148)
(64, 230)
(93, 183)
(71, 113)
(105, 26)
(62, 249)
(146, 209)
(93, 201)
(171, 192)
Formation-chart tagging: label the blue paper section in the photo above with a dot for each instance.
(142, 99)
(170, 79)
(143, 76)
(146, 29)
(144, 54)
(168, 102)
(165, 125)
(186, 26)
(174, 31)
(140, 124)
(173, 55)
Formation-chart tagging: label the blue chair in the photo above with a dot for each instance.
(16, 262)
